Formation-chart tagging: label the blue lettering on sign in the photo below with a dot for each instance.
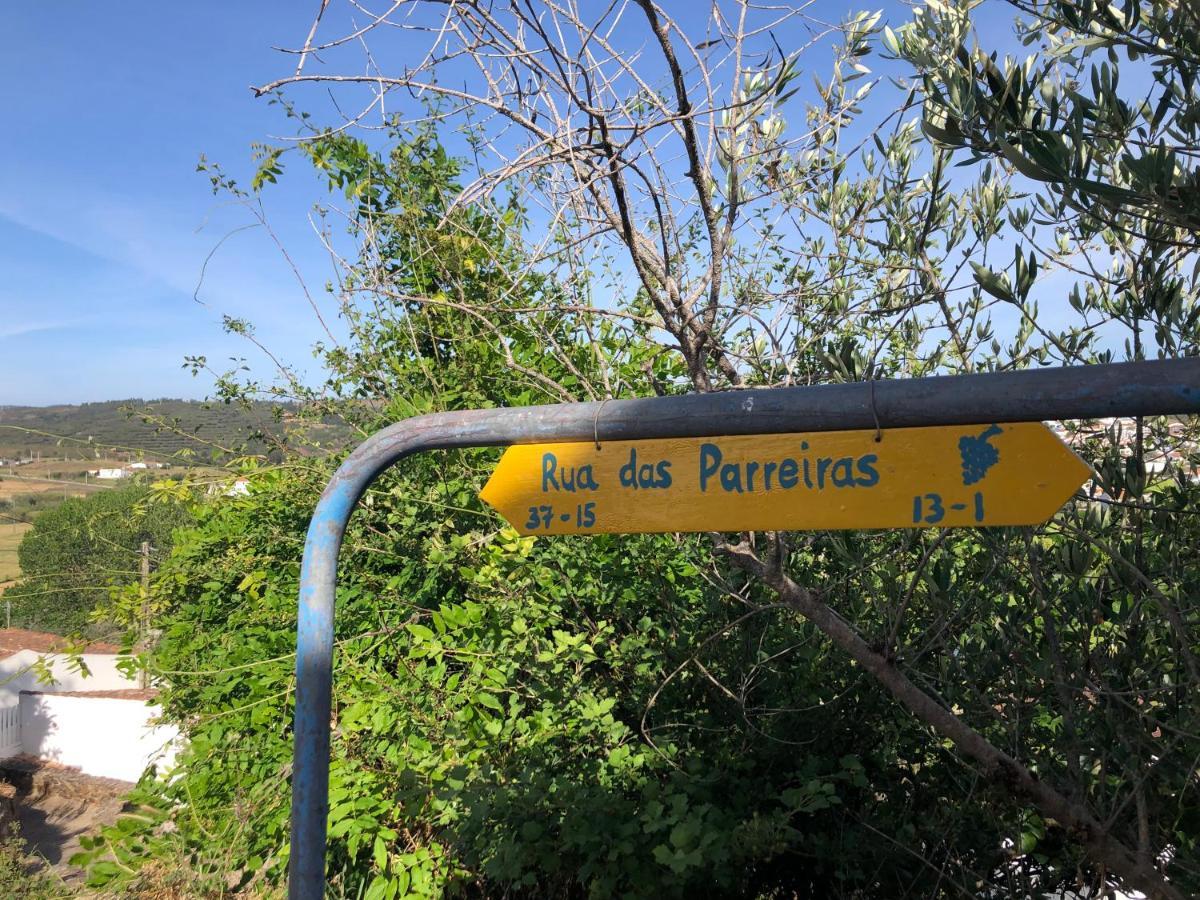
(783, 474)
(566, 478)
(868, 476)
(644, 474)
(789, 474)
(710, 461)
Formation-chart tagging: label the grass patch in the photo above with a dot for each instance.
(10, 538)
(16, 879)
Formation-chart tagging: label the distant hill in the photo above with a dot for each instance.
(164, 429)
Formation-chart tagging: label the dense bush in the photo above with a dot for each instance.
(491, 700)
(85, 549)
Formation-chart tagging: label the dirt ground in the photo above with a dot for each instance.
(56, 806)
(52, 827)
(13, 486)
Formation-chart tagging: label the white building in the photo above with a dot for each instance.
(99, 722)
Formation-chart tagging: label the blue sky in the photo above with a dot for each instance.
(104, 222)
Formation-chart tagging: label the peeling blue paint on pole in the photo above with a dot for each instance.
(314, 655)
(1160, 387)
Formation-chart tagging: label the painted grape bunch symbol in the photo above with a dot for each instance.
(978, 455)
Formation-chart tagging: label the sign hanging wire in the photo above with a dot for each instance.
(874, 410)
(596, 422)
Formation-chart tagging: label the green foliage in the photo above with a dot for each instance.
(1060, 117)
(19, 883)
(1111, 167)
(80, 552)
(549, 716)
(489, 724)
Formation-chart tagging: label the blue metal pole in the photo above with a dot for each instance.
(1159, 387)
(314, 655)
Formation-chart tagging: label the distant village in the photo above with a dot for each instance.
(125, 471)
(238, 487)
(102, 474)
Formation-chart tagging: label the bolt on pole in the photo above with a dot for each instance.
(1149, 388)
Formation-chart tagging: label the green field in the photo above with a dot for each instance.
(10, 539)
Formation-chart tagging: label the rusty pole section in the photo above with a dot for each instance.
(1160, 387)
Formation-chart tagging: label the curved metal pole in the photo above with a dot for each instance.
(1160, 387)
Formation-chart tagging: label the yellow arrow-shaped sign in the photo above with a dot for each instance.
(909, 478)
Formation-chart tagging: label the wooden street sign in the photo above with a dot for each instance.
(944, 476)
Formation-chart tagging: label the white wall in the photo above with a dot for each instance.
(100, 735)
(17, 674)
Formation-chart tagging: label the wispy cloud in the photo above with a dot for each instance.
(12, 331)
(160, 243)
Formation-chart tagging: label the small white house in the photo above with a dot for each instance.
(110, 474)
